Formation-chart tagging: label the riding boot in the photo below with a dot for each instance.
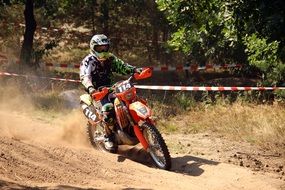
(108, 118)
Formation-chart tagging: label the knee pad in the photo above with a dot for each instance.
(108, 112)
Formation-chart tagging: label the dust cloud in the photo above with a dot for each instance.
(73, 129)
(20, 119)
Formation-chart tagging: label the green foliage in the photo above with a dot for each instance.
(202, 29)
(264, 55)
(9, 15)
(185, 101)
(280, 95)
(213, 30)
(116, 18)
(39, 52)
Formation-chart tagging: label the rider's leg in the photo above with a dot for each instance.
(106, 107)
(108, 117)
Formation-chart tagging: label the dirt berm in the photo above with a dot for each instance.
(37, 153)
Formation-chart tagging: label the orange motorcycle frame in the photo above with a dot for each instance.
(138, 111)
(137, 107)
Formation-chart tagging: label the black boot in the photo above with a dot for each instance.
(109, 143)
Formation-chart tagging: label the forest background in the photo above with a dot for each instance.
(152, 32)
(163, 32)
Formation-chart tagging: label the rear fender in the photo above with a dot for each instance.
(139, 111)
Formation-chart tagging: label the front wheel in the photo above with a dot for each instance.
(157, 147)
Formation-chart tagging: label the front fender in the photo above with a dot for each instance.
(139, 111)
(86, 98)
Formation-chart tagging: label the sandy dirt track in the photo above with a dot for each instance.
(40, 154)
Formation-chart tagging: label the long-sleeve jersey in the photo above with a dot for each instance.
(93, 73)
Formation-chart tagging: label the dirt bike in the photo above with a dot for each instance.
(133, 123)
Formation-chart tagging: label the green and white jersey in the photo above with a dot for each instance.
(94, 72)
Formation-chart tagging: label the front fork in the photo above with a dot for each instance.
(139, 133)
(140, 136)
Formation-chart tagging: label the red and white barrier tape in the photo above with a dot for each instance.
(194, 67)
(63, 65)
(177, 88)
(3, 58)
(29, 76)
(162, 68)
(206, 88)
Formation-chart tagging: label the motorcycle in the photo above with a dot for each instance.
(132, 123)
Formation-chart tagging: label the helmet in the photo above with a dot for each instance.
(99, 46)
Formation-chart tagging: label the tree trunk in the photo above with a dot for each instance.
(105, 17)
(93, 10)
(27, 47)
(165, 57)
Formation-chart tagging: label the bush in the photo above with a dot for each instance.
(264, 56)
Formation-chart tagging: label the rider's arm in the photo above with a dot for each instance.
(120, 67)
(86, 67)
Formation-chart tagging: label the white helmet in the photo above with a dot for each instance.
(99, 46)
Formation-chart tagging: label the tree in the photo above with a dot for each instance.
(27, 47)
(221, 31)
(116, 18)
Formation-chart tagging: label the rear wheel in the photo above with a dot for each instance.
(157, 147)
(96, 136)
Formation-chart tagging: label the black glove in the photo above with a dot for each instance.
(91, 89)
(138, 70)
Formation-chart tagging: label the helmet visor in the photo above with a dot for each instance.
(101, 48)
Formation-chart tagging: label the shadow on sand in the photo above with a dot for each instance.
(189, 165)
(134, 153)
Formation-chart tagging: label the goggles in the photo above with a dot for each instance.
(101, 48)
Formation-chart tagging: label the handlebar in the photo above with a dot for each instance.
(103, 91)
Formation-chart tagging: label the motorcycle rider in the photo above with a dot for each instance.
(96, 71)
